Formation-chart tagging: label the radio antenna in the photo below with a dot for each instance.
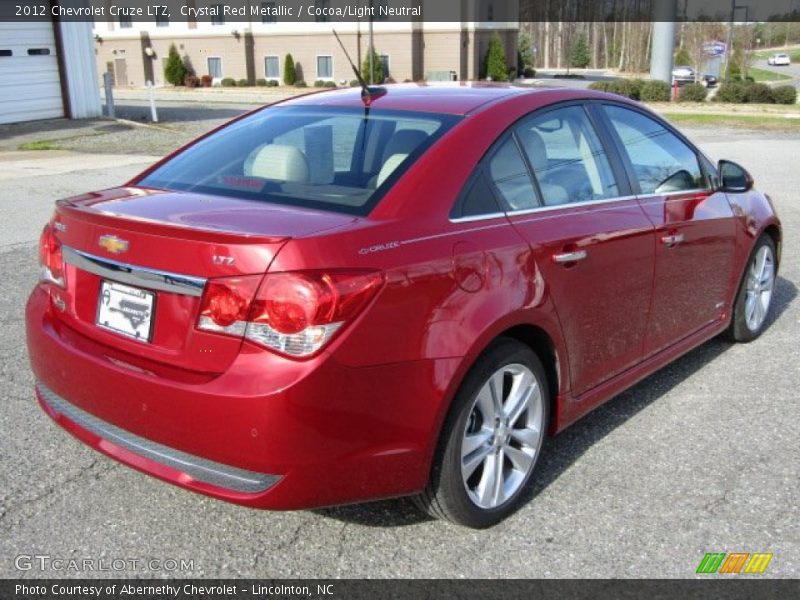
(368, 94)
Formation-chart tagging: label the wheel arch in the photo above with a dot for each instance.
(539, 337)
(773, 231)
(538, 340)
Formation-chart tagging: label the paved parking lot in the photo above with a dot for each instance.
(702, 456)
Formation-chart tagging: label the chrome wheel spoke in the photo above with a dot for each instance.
(474, 442)
(490, 487)
(521, 460)
(528, 436)
(761, 261)
(485, 404)
(750, 307)
(468, 465)
(496, 390)
(519, 398)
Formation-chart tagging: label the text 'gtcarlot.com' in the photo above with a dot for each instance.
(45, 562)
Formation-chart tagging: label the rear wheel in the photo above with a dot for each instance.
(755, 292)
(491, 440)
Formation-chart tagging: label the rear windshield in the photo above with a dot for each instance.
(337, 159)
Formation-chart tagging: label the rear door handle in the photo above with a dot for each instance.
(568, 257)
(672, 240)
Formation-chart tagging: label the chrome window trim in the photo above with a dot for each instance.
(538, 209)
(483, 217)
(535, 209)
(153, 279)
(198, 468)
(676, 193)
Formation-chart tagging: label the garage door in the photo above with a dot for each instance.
(30, 88)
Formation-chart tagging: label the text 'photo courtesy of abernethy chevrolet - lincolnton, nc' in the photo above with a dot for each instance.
(391, 291)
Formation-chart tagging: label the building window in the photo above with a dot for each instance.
(325, 67)
(217, 17)
(162, 20)
(125, 22)
(215, 67)
(268, 10)
(320, 8)
(271, 68)
(385, 64)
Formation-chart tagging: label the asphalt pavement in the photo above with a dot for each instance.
(792, 70)
(702, 456)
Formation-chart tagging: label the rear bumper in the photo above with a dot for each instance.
(270, 432)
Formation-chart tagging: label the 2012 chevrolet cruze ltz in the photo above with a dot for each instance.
(358, 295)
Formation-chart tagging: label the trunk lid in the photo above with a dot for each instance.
(135, 254)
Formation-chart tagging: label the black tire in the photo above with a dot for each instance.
(446, 496)
(740, 330)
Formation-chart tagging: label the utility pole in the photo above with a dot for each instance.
(664, 14)
(371, 46)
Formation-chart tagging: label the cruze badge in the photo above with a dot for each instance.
(113, 244)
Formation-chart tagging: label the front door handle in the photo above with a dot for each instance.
(569, 257)
(672, 240)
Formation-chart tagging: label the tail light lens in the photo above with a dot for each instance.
(50, 257)
(294, 313)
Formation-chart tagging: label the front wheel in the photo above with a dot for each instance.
(491, 440)
(755, 292)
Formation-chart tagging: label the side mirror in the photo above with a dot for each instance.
(734, 178)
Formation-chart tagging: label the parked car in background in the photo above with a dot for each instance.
(359, 295)
(779, 60)
(683, 74)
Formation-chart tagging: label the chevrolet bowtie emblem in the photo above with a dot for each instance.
(113, 244)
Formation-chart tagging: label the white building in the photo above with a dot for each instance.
(47, 71)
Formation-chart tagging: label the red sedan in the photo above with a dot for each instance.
(346, 297)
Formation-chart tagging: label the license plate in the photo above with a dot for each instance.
(126, 310)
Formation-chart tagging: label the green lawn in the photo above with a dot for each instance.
(774, 123)
(39, 145)
(794, 54)
(764, 75)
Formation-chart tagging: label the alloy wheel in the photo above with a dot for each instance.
(503, 436)
(760, 284)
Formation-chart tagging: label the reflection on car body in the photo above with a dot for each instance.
(416, 291)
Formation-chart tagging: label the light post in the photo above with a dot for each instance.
(371, 46)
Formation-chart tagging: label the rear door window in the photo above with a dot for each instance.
(567, 158)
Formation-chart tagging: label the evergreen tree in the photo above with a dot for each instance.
(524, 52)
(682, 57)
(377, 68)
(174, 71)
(289, 73)
(495, 65)
(580, 57)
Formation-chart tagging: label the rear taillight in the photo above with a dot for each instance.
(50, 257)
(294, 313)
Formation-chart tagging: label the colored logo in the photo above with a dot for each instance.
(113, 244)
(734, 563)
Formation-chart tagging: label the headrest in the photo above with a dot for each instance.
(281, 163)
(405, 142)
(535, 149)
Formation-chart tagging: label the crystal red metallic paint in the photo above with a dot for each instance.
(373, 324)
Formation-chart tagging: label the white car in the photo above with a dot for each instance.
(682, 73)
(778, 60)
